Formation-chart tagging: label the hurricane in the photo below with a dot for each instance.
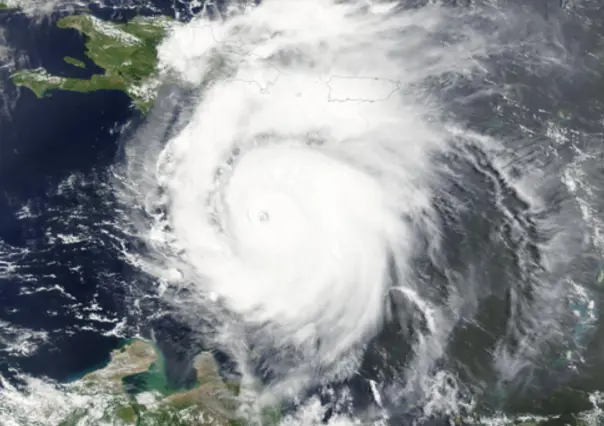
(285, 208)
(304, 177)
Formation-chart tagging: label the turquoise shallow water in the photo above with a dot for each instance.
(154, 379)
(551, 119)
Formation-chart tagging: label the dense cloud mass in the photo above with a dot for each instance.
(370, 211)
(312, 175)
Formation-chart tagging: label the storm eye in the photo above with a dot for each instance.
(263, 216)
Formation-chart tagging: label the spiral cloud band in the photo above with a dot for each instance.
(296, 186)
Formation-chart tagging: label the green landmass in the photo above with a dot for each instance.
(211, 402)
(75, 62)
(127, 53)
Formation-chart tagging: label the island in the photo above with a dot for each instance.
(133, 389)
(75, 62)
(126, 52)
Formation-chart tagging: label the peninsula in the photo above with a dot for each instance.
(126, 52)
(211, 402)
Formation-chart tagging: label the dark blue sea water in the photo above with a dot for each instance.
(56, 220)
(44, 142)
